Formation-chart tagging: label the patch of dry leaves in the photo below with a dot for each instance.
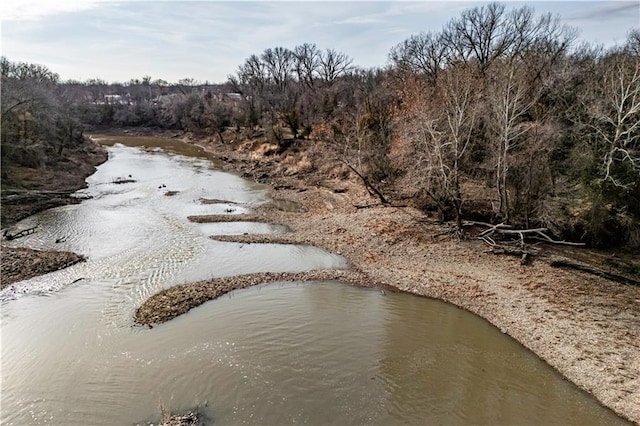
(22, 263)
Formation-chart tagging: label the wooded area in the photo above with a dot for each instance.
(498, 117)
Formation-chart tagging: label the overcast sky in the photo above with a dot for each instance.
(207, 40)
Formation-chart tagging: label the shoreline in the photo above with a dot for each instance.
(584, 326)
(31, 191)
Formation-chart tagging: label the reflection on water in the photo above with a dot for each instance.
(157, 144)
(321, 353)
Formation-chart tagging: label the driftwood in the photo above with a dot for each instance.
(368, 206)
(119, 181)
(524, 254)
(286, 186)
(504, 239)
(364, 206)
(504, 229)
(24, 196)
(570, 264)
(19, 234)
(372, 189)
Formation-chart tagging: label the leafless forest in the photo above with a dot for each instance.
(499, 116)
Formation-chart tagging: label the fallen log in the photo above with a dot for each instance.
(570, 264)
(373, 191)
(503, 239)
(507, 230)
(364, 206)
(19, 234)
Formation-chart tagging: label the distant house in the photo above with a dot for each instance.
(165, 99)
(229, 97)
(233, 96)
(116, 100)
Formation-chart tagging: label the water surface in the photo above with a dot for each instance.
(317, 353)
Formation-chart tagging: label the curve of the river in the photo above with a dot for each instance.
(321, 353)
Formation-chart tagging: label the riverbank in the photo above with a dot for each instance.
(22, 263)
(27, 191)
(585, 326)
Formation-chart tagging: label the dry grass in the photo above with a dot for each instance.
(262, 150)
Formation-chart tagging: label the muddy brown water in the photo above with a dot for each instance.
(285, 353)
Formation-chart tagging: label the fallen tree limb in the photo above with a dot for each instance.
(19, 234)
(368, 206)
(503, 239)
(364, 206)
(525, 254)
(543, 237)
(30, 196)
(504, 229)
(569, 264)
(488, 225)
(372, 189)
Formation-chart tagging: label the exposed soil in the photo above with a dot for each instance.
(26, 191)
(584, 325)
(22, 263)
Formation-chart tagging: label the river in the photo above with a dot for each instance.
(285, 353)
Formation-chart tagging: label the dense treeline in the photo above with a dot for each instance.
(498, 106)
(38, 116)
(498, 116)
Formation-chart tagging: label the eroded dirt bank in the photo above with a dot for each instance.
(585, 326)
(26, 191)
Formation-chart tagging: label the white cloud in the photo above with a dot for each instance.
(20, 10)
(207, 40)
(358, 20)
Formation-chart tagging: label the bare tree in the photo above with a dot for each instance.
(279, 64)
(424, 53)
(615, 119)
(307, 62)
(539, 43)
(480, 35)
(460, 101)
(216, 115)
(440, 126)
(37, 118)
(28, 105)
(290, 87)
(283, 94)
(185, 85)
(251, 81)
(633, 42)
(484, 34)
(333, 64)
(509, 101)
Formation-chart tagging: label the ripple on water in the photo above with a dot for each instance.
(320, 353)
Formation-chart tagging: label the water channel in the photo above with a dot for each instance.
(285, 353)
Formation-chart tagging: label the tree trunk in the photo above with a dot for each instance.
(219, 132)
